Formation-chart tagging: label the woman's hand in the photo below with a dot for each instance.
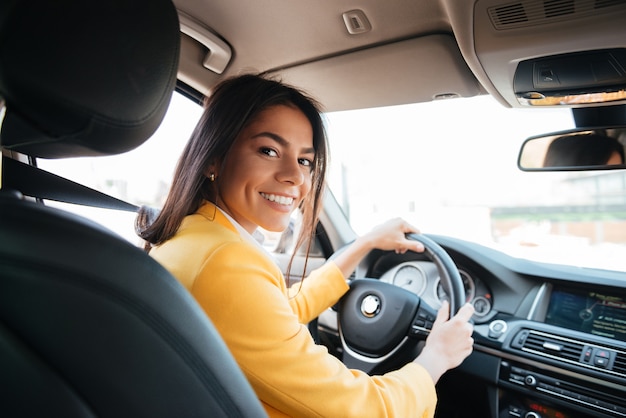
(449, 343)
(390, 236)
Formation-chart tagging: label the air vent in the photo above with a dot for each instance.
(620, 363)
(554, 8)
(606, 359)
(538, 12)
(553, 346)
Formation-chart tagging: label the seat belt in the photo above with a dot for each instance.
(35, 182)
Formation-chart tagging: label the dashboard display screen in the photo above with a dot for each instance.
(593, 312)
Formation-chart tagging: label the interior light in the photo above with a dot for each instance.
(539, 99)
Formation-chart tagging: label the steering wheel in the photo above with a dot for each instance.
(382, 325)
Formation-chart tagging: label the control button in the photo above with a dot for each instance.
(532, 414)
(497, 328)
(602, 353)
(519, 339)
(587, 354)
(518, 370)
(515, 411)
(601, 361)
(530, 380)
(516, 378)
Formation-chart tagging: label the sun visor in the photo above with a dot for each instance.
(415, 70)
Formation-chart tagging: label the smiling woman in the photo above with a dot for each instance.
(258, 154)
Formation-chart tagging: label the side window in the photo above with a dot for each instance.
(141, 176)
(281, 246)
(285, 242)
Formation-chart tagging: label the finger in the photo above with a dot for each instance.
(416, 246)
(466, 312)
(409, 244)
(443, 313)
(408, 228)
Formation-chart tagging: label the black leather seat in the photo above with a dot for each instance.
(90, 326)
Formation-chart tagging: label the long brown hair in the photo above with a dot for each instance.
(233, 105)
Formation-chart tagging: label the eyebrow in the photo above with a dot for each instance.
(282, 141)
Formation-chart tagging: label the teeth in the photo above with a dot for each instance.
(278, 199)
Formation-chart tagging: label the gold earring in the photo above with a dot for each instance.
(212, 177)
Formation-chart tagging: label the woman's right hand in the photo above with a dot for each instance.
(449, 343)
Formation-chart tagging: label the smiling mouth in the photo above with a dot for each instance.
(281, 200)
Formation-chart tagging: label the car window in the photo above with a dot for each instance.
(449, 167)
(141, 176)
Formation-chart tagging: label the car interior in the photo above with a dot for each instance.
(90, 325)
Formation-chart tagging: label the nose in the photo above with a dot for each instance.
(291, 172)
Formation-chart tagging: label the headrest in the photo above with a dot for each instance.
(84, 77)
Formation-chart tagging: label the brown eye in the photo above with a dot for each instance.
(269, 152)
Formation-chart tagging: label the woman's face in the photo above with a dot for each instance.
(615, 159)
(267, 172)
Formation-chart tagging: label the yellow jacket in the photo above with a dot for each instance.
(244, 293)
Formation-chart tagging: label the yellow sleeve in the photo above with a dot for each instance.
(317, 292)
(244, 294)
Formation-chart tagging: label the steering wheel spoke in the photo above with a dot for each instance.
(423, 321)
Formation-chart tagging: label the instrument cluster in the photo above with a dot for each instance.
(422, 278)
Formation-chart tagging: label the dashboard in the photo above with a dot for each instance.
(550, 340)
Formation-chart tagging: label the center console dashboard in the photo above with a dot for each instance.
(566, 359)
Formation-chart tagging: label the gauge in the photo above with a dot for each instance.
(411, 278)
(482, 306)
(468, 285)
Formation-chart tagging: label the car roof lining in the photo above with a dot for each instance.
(301, 41)
(364, 78)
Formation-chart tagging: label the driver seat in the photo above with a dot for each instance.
(90, 325)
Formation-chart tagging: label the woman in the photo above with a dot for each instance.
(584, 150)
(258, 153)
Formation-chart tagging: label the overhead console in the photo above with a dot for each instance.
(533, 53)
(571, 79)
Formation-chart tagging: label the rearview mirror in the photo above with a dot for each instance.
(597, 149)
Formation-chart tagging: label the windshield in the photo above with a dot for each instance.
(450, 168)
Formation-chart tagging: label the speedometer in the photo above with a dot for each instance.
(410, 278)
(468, 285)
